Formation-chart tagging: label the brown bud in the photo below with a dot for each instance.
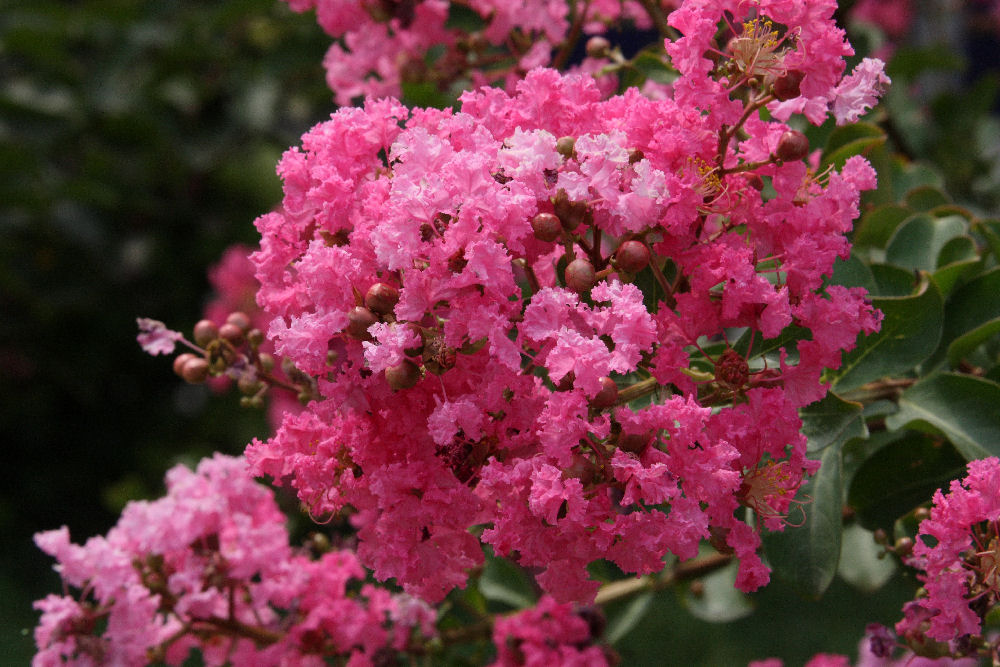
(634, 443)
(786, 87)
(359, 319)
(580, 276)
(598, 47)
(266, 362)
(231, 333)
(195, 370)
(792, 146)
(546, 227)
(571, 214)
(182, 359)
(403, 375)
(607, 396)
(240, 319)
(565, 146)
(248, 384)
(904, 547)
(632, 256)
(205, 332)
(755, 182)
(255, 337)
(382, 298)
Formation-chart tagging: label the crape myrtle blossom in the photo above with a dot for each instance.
(523, 317)
(382, 44)
(956, 551)
(208, 567)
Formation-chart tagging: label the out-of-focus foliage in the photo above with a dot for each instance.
(137, 140)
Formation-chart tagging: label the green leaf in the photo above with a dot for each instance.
(863, 146)
(918, 241)
(832, 421)
(878, 224)
(622, 622)
(503, 581)
(860, 565)
(719, 601)
(965, 344)
(789, 336)
(926, 197)
(971, 315)
(852, 272)
(892, 280)
(949, 275)
(900, 476)
(962, 407)
(848, 134)
(990, 229)
(806, 556)
(911, 330)
(958, 249)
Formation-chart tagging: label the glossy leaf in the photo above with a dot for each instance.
(876, 227)
(911, 330)
(719, 601)
(963, 408)
(860, 565)
(971, 315)
(917, 242)
(624, 620)
(892, 281)
(503, 581)
(926, 197)
(806, 556)
(832, 421)
(900, 476)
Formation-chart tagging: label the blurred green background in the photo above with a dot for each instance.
(137, 141)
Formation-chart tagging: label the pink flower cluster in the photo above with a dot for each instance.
(958, 552)
(522, 317)
(208, 567)
(381, 44)
(549, 634)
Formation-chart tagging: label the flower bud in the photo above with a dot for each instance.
(195, 371)
(904, 547)
(248, 384)
(359, 319)
(580, 276)
(607, 396)
(266, 362)
(786, 87)
(382, 298)
(632, 256)
(403, 375)
(255, 337)
(598, 47)
(634, 443)
(792, 146)
(546, 227)
(565, 146)
(240, 319)
(182, 359)
(205, 332)
(232, 333)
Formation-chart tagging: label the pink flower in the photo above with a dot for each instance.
(155, 338)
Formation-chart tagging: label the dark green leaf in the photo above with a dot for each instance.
(719, 601)
(910, 333)
(926, 197)
(892, 280)
(917, 242)
(832, 421)
(806, 556)
(962, 407)
(899, 477)
(971, 315)
(877, 225)
(503, 581)
(620, 623)
(958, 249)
(852, 272)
